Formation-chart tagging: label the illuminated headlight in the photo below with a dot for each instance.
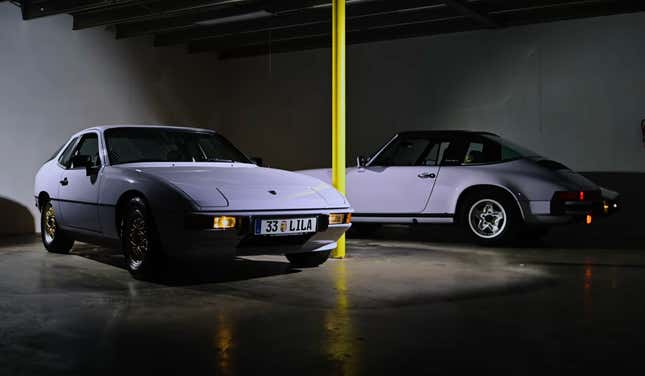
(340, 218)
(224, 223)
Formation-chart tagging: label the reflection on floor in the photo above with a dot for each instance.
(405, 301)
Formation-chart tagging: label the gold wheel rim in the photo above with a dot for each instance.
(50, 223)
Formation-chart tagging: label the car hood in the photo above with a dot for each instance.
(212, 186)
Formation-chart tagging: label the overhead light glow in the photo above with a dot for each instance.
(240, 17)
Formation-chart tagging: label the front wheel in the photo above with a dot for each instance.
(491, 218)
(140, 243)
(309, 259)
(54, 238)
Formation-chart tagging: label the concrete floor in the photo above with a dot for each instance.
(399, 304)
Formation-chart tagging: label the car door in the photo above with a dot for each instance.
(399, 179)
(78, 192)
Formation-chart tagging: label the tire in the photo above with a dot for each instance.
(309, 259)
(139, 239)
(54, 238)
(491, 217)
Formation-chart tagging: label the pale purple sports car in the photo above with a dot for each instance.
(494, 188)
(168, 191)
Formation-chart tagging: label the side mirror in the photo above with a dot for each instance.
(257, 161)
(361, 161)
(84, 161)
(80, 161)
(92, 170)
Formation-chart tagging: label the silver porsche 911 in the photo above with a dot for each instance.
(495, 189)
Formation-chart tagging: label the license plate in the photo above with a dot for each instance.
(285, 226)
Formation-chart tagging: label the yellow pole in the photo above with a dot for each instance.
(338, 106)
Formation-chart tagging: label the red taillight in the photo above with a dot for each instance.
(576, 196)
(567, 196)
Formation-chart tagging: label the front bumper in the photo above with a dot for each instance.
(180, 238)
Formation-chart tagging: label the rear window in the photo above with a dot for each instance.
(493, 149)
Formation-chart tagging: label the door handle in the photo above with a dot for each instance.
(427, 175)
(64, 182)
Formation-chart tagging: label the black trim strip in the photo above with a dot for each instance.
(265, 210)
(405, 215)
(81, 202)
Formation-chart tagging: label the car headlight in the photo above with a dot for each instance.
(224, 223)
(209, 222)
(339, 218)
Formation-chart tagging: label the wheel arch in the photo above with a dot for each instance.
(119, 208)
(473, 189)
(42, 198)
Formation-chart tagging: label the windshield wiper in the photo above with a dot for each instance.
(220, 160)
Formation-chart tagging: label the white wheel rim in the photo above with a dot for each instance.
(487, 218)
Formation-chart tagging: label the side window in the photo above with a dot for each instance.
(485, 151)
(67, 154)
(406, 152)
(475, 153)
(87, 149)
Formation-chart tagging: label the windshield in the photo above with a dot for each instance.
(511, 148)
(131, 145)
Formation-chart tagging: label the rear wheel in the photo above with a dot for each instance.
(491, 217)
(309, 259)
(140, 244)
(54, 238)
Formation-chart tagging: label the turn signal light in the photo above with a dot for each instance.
(224, 223)
(589, 219)
(339, 218)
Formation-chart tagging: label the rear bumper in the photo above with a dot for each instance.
(548, 212)
(179, 240)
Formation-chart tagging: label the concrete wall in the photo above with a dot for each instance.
(54, 82)
(571, 90)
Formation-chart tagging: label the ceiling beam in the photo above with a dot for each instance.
(190, 18)
(42, 8)
(566, 10)
(300, 18)
(468, 9)
(353, 37)
(374, 24)
(141, 10)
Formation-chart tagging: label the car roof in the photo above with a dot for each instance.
(106, 127)
(444, 133)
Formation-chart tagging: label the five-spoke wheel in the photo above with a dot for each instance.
(490, 216)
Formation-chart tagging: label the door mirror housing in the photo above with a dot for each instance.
(257, 161)
(84, 161)
(80, 161)
(361, 161)
(92, 170)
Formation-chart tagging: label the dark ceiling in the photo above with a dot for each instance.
(235, 28)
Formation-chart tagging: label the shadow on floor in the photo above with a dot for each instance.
(15, 218)
(19, 240)
(193, 270)
(598, 236)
